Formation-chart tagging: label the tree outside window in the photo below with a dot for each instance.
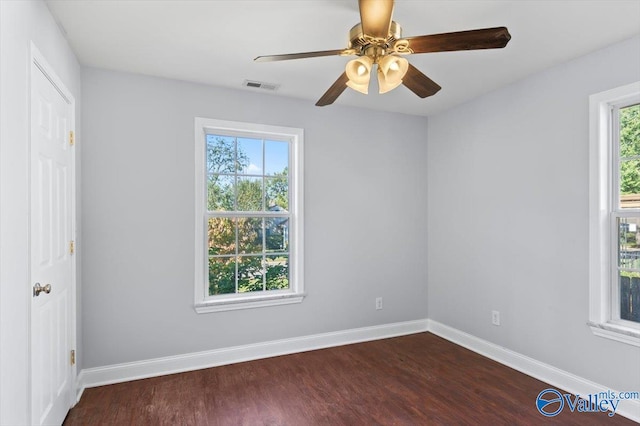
(247, 203)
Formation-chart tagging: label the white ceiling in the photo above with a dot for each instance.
(214, 42)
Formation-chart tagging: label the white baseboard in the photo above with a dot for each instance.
(99, 376)
(531, 367)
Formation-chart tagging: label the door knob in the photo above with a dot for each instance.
(37, 289)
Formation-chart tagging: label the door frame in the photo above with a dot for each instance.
(38, 63)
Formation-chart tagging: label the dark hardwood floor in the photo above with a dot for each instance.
(419, 379)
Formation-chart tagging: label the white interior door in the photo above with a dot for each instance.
(52, 265)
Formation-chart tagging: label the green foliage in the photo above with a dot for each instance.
(222, 271)
(630, 131)
(250, 274)
(277, 190)
(220, 193)
(630, 274)
(630, 177)
(630, 147)
(249, 194)
(277, 273)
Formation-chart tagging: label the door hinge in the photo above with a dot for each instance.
(73, 357)
(72, 138)
(72, 247)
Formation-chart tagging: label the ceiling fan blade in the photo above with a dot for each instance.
(487, 38)
(285, 57)
(419, 83)
(375, 16)
(334, 91)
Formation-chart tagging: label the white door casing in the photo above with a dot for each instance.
(52, 230)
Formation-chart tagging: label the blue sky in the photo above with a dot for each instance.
(276, 155)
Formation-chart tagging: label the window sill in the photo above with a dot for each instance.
(616, 332)
(248, 302)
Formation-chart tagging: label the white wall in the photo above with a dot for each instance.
(508, 228)
(365, 228)
(20, 23)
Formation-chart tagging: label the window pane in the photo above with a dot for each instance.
(276, 157)
(629, 242)
(630, 296)
(221, 154)
(250, 274)
(250, 235)
(277, 193)
(249, 194)
(629, 119)
(277, 234)
(630, 131)
(222, 236)
(630, 184)
(222, 273)
(220, 192)
(249, 156)
(277, 272)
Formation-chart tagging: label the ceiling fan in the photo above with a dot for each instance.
(377, 40)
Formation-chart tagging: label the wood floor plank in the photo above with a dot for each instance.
(411, 380)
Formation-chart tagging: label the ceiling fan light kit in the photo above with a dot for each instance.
(391, 71)
(377, 40)
(359, 73)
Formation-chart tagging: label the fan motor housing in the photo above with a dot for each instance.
(360, 41)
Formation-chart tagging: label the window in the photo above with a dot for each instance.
(248, 215)
(615, 214)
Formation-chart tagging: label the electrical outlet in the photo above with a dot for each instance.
(378, 303)
(495, 317)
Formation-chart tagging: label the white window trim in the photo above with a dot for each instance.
(295, 294)
(601, 193)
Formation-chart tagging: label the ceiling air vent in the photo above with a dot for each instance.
(261, 85)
